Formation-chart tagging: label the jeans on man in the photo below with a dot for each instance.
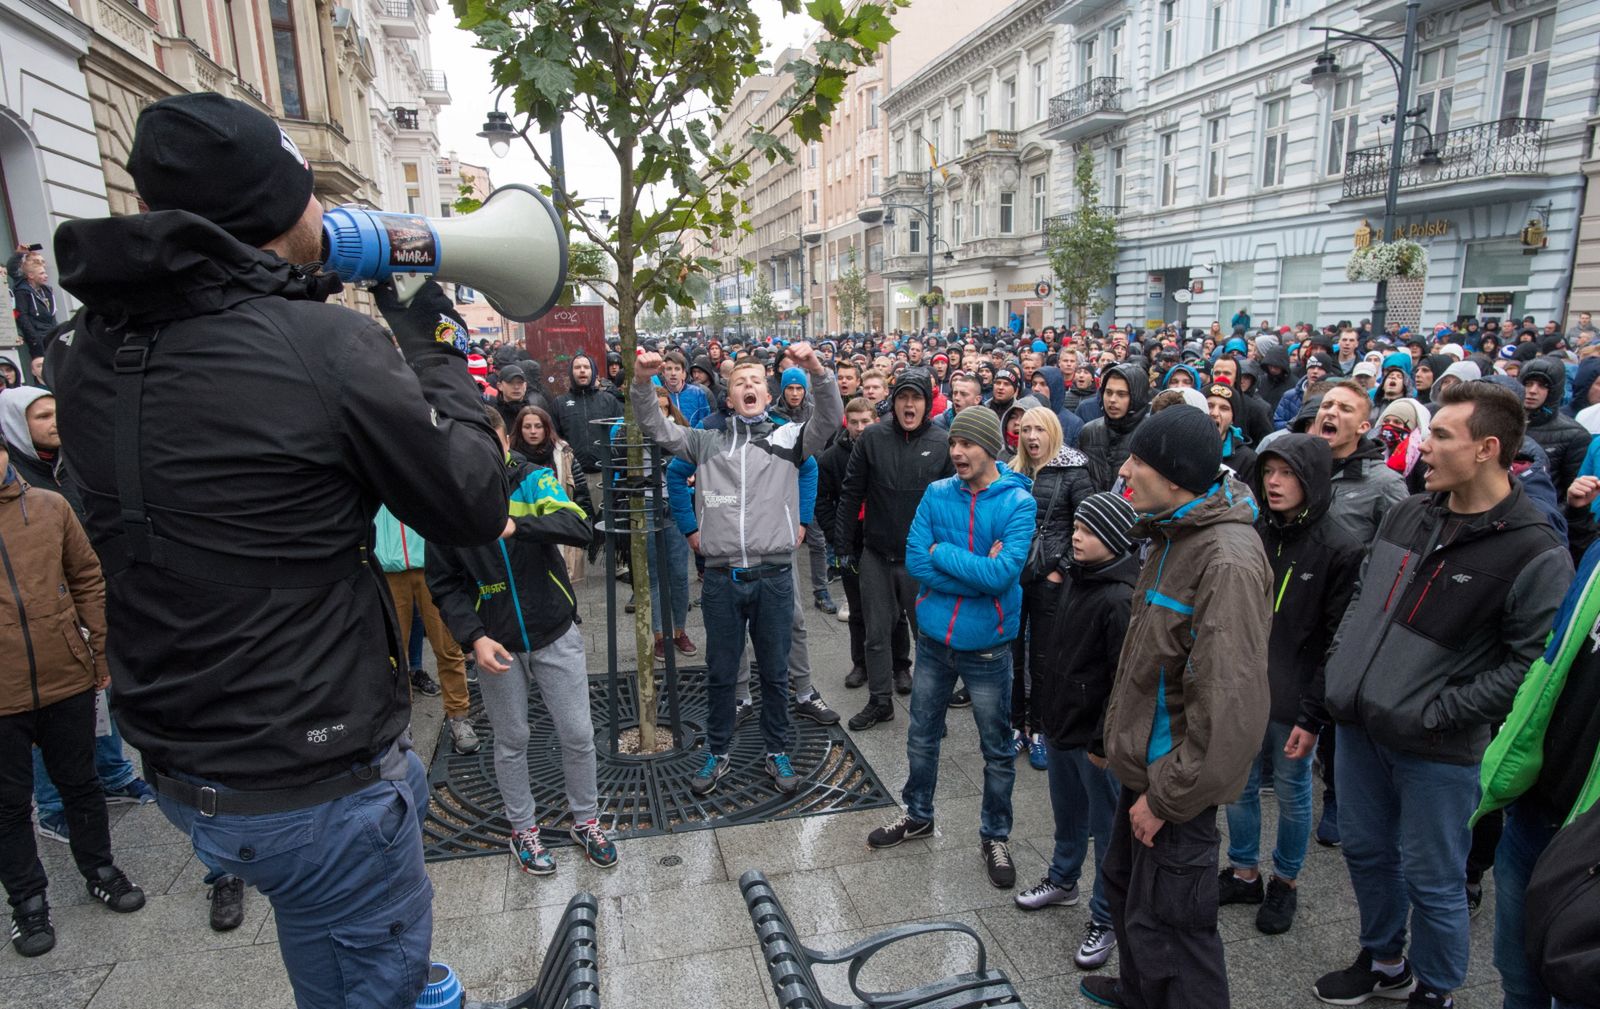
(110, 763)
(1291, 782)
(1403, 826)
(987, 677)
(763, 608)
(816, 545)
(64, 734)
(1526, 835)
(888, 591)
(350, 897)
(1163, 900)
(677, 568)
(1083, 798)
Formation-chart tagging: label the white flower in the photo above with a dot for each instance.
(1387, 261)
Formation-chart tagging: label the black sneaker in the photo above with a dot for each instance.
(856, 678)
(227, 904)
(903, 828)
(824, 602)
(1277, 911)
(1233, 890)
(997, 861)
(31, 931)
(1359, 982)
(1423, 997)
(902, 682)
(872, 714)
(816, 709)
(744, 711)
(1474, 899)
(1102, 989)
(962, 698)
(1328, 827)
(113, 889)
(423, 684)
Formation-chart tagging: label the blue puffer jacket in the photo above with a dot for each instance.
(969, 600)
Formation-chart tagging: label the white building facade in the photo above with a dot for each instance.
(403, 102)
(1235, 179)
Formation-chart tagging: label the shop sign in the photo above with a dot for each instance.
(971, 292)
(1366, 234)
(1494, 301)
(1042, 289)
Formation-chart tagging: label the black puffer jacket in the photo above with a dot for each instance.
(1065, 481)
(832, 465)
(1086, 635)
(1277, 377)
(272, 428)
(577, 411)
(1105, 441)
(1563, 439)
(1316, 568)
(889, 470)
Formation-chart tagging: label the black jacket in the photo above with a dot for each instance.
(1277, 377)
(832, 465)
(1316, 567)
(889, 470)
(34, 308)
(1563, 439)
(1065, 481)
(272, 428)
(1105, 441)
(576, 412)
(510, 409)
(1090, 622)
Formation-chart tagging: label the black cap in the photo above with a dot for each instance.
(510, 372)
(221, 160)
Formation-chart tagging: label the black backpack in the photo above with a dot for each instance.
(1563, 911)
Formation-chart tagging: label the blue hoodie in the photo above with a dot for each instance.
(1071, 423)
(969, 600)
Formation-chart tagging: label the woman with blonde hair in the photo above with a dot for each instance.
(1061, 480)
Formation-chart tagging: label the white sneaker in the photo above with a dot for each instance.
(843, 616)
(1044, 893)
(1098, 942)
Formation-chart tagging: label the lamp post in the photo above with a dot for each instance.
(875, 215)
(804, 239)
(1324, 77)
(738, 297)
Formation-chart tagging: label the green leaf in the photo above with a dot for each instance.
(552, 80)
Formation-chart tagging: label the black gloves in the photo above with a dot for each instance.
(428, 326)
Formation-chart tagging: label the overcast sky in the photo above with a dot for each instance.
(591, 171)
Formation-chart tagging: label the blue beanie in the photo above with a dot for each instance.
(1040, 346)
(1235, 346)
(1399, 359)
(795, 376)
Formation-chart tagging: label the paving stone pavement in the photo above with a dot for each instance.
(678, 937)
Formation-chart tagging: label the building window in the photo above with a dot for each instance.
(1008, 212)
(875, 258)
(813, 206)
(1216, 157)
(1167, 144)
(1436, 72)
(1299, 285)
(1275, 142)
(1342, 123)
(935, 134)
(1234, 287)
(957, 114)
(955, 222)
(1216, 21)
(1117, 160)
(1040, 204)
(1114, 50)
(811, 155)
(977, 219)
(1041, 100)
(1088, 59)
(899, 154)
(874, 175)
(413, 188)
(914, 235)
(290, 91)
(1527, 67)
(872, 108)
(1008, 91)
(1169, 33)
(1495, 267)
(1277, 10)
(982, 100)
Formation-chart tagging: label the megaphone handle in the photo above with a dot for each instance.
(406, 285)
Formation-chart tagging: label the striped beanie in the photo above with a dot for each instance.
(1109, 517)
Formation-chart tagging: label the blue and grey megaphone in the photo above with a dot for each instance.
(513, 249)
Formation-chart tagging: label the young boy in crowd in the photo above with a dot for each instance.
(511, 603)
(1091, 619)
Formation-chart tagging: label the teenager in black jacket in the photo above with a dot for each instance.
(1316, 566)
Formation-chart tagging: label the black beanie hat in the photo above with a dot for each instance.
(221, 160)
(1182, 445)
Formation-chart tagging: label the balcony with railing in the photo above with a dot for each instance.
(1092, 107)
(406, 119)
(1004, 141)
(398, 18)
(904, 182)
(1077, 12)
(1505, 157)
(435, 87)
(1060, 222)
(906, 266)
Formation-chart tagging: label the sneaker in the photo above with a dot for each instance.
(683, 643)
(1098, 941)
(31, 931)
(872, 714)
(1104, 990)
(710, 773)
(856, 678)
(660, 649)
(137, 791)
(997, 860)
(1328, 826)
(113, 889)
(472, 671)
(816, 709)
(782, 772)
(1474, 899)
(54, 826)
(961, 698)
(1359, 982)
(1233, 890)
(423, 684)
(843, 616)
(599, 848)
(1423, 997)
(1037, 758)
(1047, 892)
(824, 602)
(227, 903)
(743, 711)
(1019, 743)
(632, 604)
(902, 828)
(1277, 911)
(532, 856)
(902, 682)
(463, 736)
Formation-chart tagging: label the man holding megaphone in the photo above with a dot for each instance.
(234, 437)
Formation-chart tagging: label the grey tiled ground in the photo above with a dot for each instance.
(679, 936)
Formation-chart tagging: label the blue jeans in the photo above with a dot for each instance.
(1291, 781)
(1524, 839)
(764, 609)
(987, 677)
(352, 903)
(1083, 798)
(113, 767)
(1403, 824)
(677, 580)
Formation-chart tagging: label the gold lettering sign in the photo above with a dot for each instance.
(1019, 288)
(1363, 237)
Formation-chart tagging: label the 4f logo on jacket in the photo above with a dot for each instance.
(1461, 579)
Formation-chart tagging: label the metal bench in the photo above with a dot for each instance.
(570, 976)
(790, 961)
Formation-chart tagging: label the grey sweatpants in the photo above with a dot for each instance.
(558, 670)
(887, 590)
(799, 654)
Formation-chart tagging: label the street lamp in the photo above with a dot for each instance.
(738, 297)
(497, 129)
(1325, 75)
(805, 239)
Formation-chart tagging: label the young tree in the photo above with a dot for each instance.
(851, 291)
(763, 310)
(1083, 249)
(717, 318)
(631, 72)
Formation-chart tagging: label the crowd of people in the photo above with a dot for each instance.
(1169, 569)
